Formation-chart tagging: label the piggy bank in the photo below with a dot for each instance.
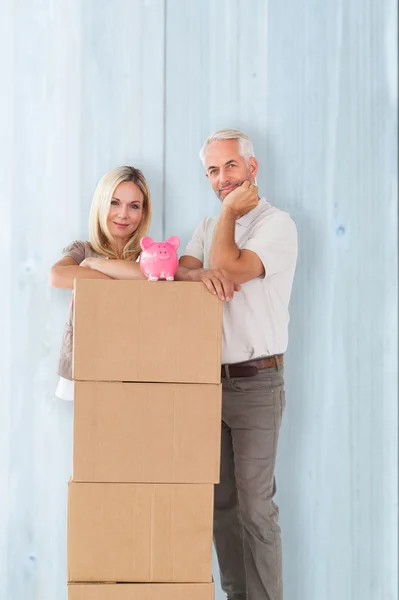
(159, 259)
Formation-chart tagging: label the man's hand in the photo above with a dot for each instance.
(216, 282)
(242, 199)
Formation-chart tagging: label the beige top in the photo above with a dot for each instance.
(255, 321)
(78, 251)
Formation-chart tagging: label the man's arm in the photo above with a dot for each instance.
(190, 262)
(238, 265)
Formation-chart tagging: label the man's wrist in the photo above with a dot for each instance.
(228, 212)
(186, 274)
(195, 274)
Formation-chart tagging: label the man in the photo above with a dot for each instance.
(246, 256)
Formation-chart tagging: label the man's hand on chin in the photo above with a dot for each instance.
(242, 199)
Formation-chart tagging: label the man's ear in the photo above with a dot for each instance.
(253, 166)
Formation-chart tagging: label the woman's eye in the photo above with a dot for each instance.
(114, 203)
(136, 206)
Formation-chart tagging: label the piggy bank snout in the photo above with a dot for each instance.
(162, 252)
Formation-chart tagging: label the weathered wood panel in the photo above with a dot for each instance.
(93, 84)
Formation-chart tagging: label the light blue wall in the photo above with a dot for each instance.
(90, 84)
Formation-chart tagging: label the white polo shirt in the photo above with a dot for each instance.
(255, 321)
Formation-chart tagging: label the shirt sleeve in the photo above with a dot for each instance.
(275, 241)
(76, 250)
(195, 247)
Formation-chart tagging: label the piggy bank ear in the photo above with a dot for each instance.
(173, 241)
(145, 242)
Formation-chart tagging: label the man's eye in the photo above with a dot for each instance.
(212, 172)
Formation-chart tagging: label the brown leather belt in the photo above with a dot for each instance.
(250, 368)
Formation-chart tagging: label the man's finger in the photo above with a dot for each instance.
(228, 287)
(209, 285)
(218, 287)
(214, 286)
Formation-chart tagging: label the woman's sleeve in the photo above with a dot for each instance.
(76, 250)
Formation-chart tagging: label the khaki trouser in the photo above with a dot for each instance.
(246, 530)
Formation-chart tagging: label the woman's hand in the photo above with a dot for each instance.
(96, 264)
(89, 263)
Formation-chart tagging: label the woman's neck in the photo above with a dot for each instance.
(118, 247)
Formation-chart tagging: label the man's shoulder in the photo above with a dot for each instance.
(207, 223)
(271, 210)
(274, 223)
(272, 213)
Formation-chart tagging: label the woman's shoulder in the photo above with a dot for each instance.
(79, 250)
(90, 251)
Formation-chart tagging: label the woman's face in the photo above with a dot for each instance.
(126, 210)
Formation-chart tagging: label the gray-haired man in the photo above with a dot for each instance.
(250, 249)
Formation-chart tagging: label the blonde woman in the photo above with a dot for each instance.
(120, 216)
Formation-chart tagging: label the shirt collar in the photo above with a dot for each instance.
(247, 219)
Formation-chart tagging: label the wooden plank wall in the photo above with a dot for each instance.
(88, 85)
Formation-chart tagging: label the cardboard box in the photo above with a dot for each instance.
(138, 591)
(128, 532)
(147, 432)
(146, 331)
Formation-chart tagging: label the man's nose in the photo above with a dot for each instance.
(223, 177)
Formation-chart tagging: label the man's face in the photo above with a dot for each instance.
(226, 169)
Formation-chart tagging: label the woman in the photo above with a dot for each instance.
(120, 216)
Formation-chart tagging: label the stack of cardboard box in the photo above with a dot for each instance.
(147, 419)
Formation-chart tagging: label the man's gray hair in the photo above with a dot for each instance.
(245, 145)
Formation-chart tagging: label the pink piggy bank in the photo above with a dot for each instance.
(159, 259)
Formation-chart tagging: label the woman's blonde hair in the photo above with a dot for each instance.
(99, 234)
